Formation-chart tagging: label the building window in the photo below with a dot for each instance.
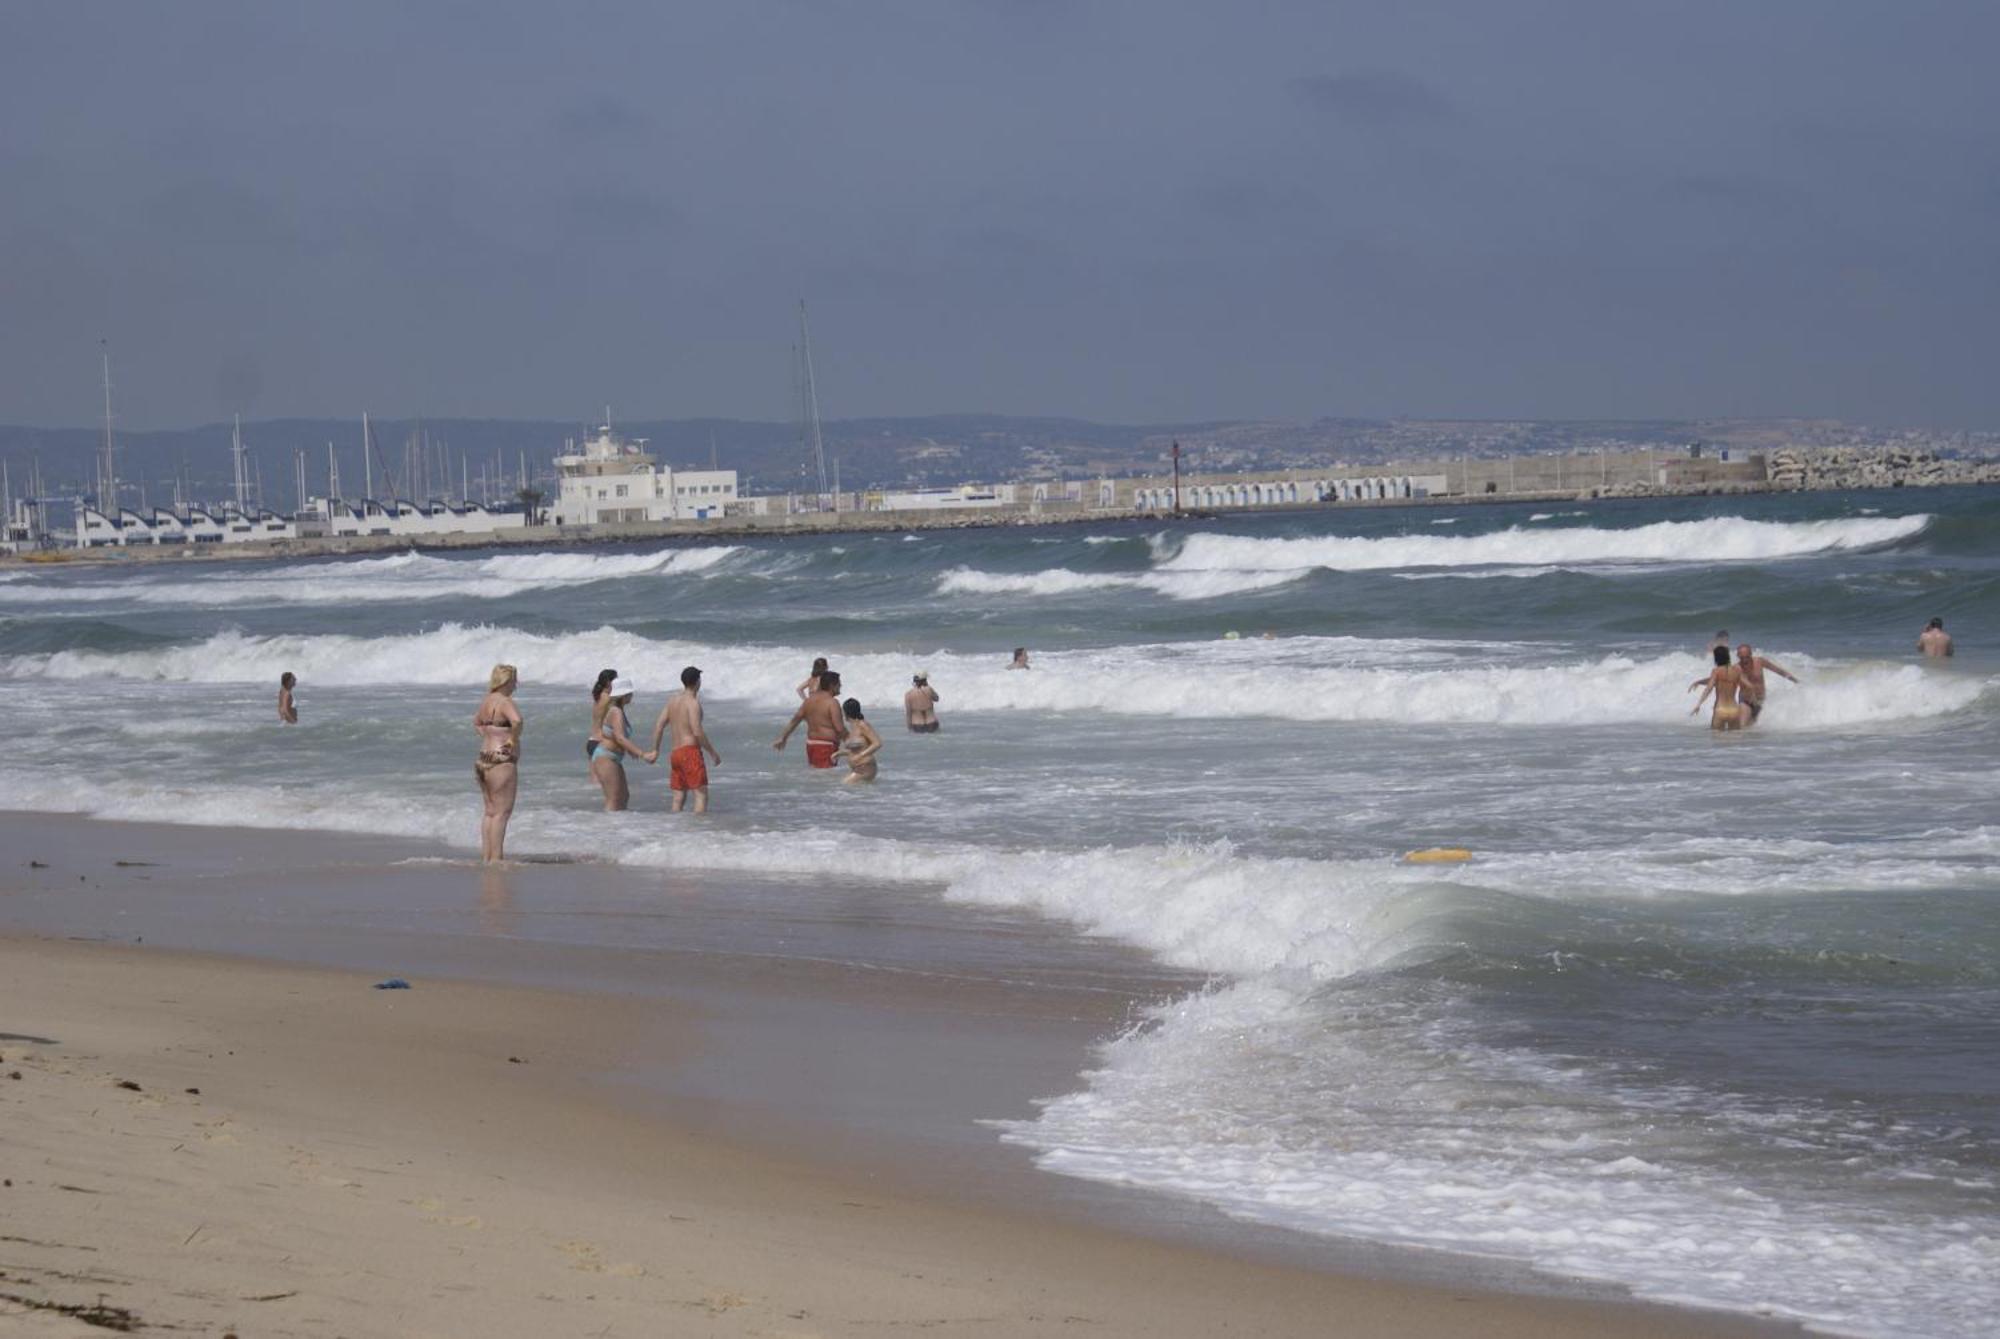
(621, 490)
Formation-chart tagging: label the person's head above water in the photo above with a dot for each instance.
(1721, 655)
(621, 690)
(690, 677)
(1743, 651)
(851, 708)
(502, 679)
(604, 678)
(287, 679)
(819, 665)
(920, 678)
(829, 682)
(1937, 623)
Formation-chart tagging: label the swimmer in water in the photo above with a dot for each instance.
(862, 745)
(614, 745)
(825, 730)
(1750, 669)
(810, 683)
(599, 704)
(498, 769)
(288, 710)
(920, 705)
(682, 716)
(1725, 683)
(1934, 641)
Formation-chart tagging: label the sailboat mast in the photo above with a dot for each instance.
(236, 456)
(107, 469)
(367, 462)
(812, 399)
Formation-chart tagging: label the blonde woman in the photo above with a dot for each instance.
(498, 769)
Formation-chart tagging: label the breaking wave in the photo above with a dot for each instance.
(398, 578)
(1718, 539)
(1302, 679)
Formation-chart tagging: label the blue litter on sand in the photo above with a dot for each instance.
(393, 983)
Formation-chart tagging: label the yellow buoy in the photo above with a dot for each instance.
(1439, 855)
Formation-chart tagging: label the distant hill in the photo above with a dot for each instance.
(871, 452)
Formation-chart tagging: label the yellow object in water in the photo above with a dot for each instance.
(1439, 855)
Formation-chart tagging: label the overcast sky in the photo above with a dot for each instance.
(1135, 212)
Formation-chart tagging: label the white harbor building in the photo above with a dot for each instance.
(127, 527)
(404, 519)
(610, 481)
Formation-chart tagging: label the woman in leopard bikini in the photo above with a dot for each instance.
(498, 769)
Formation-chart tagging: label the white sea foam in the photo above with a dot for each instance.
(1062, 581)
(1302, 679)
(1718, 539)
(1498, 1154)
(395, 579)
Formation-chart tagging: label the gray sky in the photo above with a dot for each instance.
(1136, 212)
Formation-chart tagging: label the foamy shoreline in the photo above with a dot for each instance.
(342, 1133)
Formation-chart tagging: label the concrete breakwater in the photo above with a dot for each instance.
(1457, 482)
(1879, 467)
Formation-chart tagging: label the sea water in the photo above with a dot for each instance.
(1714, 1017)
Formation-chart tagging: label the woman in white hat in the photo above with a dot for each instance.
(613, 745)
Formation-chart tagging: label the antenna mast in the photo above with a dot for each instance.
(107, 469)
(236, 454)
(812, 400)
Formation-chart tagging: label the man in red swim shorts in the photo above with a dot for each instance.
(683, 716)
(825, 726)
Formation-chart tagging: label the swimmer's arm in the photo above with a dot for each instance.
(1706, 689)
(1776, 668)
(659, 733)
(790, 726)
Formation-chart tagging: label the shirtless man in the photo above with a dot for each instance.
(1934, 641)
(825, 727)
(1750, 669)
(687, 770)
(920, 705)
(1725, 683)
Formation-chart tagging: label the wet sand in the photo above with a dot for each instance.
(703, 1140)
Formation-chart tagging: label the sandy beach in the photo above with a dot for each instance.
(218, 1145)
